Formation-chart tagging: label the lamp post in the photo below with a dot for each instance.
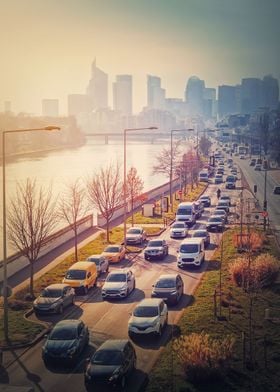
(124, 174)
(5, 280)
(171, 162)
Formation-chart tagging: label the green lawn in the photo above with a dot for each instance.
(167, 374)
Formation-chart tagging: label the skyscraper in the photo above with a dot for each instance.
(194, 95)
(78, 103)
(97, 88)
(270, 92)
(227, 102)
(250, 95)
(122, 94)
(155, 93)
(50, 107)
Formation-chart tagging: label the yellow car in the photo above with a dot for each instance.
(114, 253)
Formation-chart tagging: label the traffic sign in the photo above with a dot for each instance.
(265, 214)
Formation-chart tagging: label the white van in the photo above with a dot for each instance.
(203, 176)
(186, 212)
(191, 252)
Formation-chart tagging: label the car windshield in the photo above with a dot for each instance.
(223, 203)
(63, 334)
(155, 243)
(184, 211)
(76, 274)
(116, 278)
(215, 219)
(112, 249)
(219, 212)
(107, 358)
(189, 248)
(178, 226)
(204, 198)
(166, 283)
(146, 311)
(95, 260)
(134, 231)
(199, 234)
(51, 293)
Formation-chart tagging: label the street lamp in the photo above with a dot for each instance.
(124, 173)
(5, 280)
(171, 162)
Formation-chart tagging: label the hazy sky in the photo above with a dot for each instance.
(47, 46)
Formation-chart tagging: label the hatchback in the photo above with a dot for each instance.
(118, 284)
(178, 230)
(202, 233)
(169, 287)
(135, 235)
(156, 249)
(54, 298)
(114, 253)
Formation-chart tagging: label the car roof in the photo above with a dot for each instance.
(95, 256)
(56, 286)
(113, 344)
(199, 230)
(191, 241)
(215, 217)
(135, 227)
(119, 271)
(149, 302)
(112, 245)
(68, 324)
(82, 265)
(167, 276)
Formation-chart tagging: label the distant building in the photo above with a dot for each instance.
(155, 93)
(78, 103)
(227, 103)
(209, 102)
(97, 89)
(270, 92)
(194, 94)
(122, 94)
(50, 107)
(251, 93)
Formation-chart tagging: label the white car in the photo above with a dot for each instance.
(135, 235)
(178, 230)
(118, 284)
(102, 264)
(150, 316)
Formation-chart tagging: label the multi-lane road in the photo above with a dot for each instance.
(109, 319)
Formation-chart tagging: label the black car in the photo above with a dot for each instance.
(110, 365)
(170, 287)
(206, 200)
(65, 342)
(156, 249)
(54, 298)
(215, 223)
(276, 190)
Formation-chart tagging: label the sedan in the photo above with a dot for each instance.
(118, 284)
(135, 235)
(156, 249)
(110, 365)
(102, 264)
(202, 233)
(178, 230)
(150, 316)
(169, 287)
(221, 213)
(223, 205)
(218, 179)
(258, 167)
(114, 253)
(54, 298)
(215, 223)
(206, 200)
(65, 342)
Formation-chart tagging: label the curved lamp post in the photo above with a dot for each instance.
(5, 280)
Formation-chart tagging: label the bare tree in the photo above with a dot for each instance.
(31, 218)
(204, 145)
(134, 187)
(106, 192)
(163, 165)
(72, 207)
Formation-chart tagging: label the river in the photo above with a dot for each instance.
(59, 168)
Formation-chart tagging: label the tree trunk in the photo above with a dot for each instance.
(31, 278)
(132, 214)
(107, 230)
(76, 242)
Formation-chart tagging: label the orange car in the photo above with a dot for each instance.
(114, 253)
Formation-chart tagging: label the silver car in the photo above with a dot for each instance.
(118, 284)
(102, 264)
(54, 298)
(135, 235)
(178, 230)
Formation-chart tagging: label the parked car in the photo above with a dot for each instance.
(215, 223)
(150, 316)
(65, 343)
(110, 365)
(178, 230)
(276, 190)
(54, 298)
(221, 213)
(206, 200)
(135, 235)
(118, 284)
(156, 249)
(114, 253)
(191, 252)
(218, 179)
(169, 287)
(202, 233)
(102, 264)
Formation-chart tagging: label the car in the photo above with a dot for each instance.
(242, 157)
(220, 170)
(118, 284)
(114, 253)
(54, 299)
(225, 198)
(102, 264)
(150, 316)
(221, 213)
(206, 200)
(276, 190)
(65, 343)
(218, 179)
(202, 233)
(258, 167)
(169, 287)
(135, 235)
(198, 208)
(178, 230)
(230, 182)
(223, 205)
(110, 365)
(215, 223)
(191, 253)
(252, 162)
(156, 249)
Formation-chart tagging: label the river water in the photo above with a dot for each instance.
(58, 168)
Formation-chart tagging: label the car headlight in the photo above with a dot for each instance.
(154, 323)
(72, 350)
(123, 289)
(54, 304)
(174, 292)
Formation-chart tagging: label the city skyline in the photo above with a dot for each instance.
(49, 53)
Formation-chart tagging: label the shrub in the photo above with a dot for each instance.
(262, 271)
(253, 240)
(202, 356)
